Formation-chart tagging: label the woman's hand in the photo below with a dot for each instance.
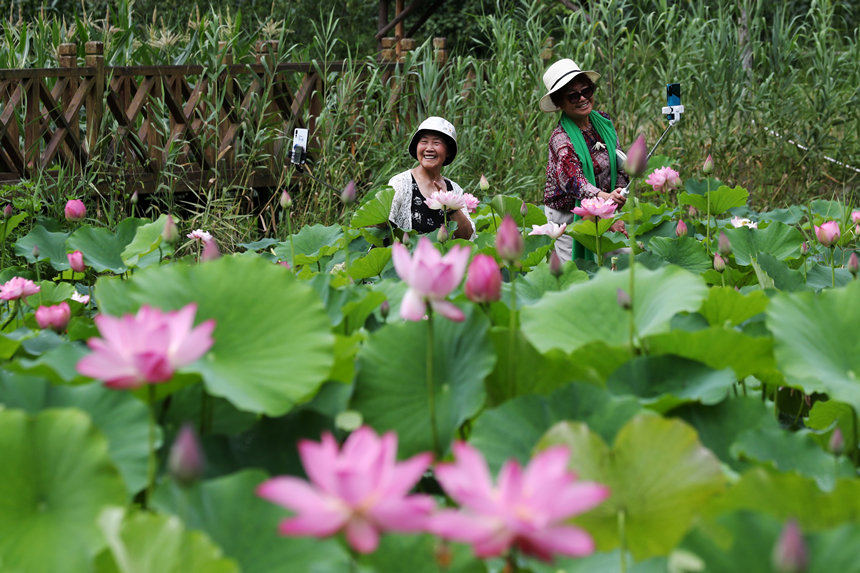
(616, 196)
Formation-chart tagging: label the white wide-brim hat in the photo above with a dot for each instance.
(559, 75)
(440, 126)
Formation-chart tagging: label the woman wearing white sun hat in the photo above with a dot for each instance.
(433, 145)
(580, 164)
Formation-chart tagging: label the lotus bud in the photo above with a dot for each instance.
(76, 261)
(442, 234)
(185, 462)
(285, 264)
(708, 165)
(483, 184)
(75, 210)
(828, 233)
(524, 209)
(406, 240)
(210, 251)
(384, 309)
(134, 198)
(54, 317)
(724, 246)
(789, 553)
(719, 263)
(286, 200)
(348, 193)
(509, 241)
(692, 211)
(837, 442)
(36, 252)
(804, 248)
(681, 229)
(170, 233)
(483, 280)
(7, 211)
(623, 299)
(555, 264)
(637, 157)
(853, 264)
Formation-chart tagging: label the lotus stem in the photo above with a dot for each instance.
(150, 465)
(512, 330)
(622, 539)
(431, 394)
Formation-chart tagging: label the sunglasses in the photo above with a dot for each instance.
(573, 97)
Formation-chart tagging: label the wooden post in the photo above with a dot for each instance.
(386, 54)
(398, 28)
(67, 57)
(406, 46)
(32, 125)
(95, 98)
(440, 49)
(382, 20)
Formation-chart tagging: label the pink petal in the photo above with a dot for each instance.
(362, 535)
(402, 261)
(461, 526)
(293, 493)
(448, 309)
(412, 307)
(576, 498)
(320, 462)
(561, 539)
(403, 514)
(468, 481)
(317, 524)
(196, 344)
(406, 474)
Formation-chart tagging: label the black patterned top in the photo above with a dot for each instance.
(425, 219)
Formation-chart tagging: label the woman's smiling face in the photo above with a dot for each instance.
(578, 100)
(431, 151)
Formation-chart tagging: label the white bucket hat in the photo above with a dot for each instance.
(437, 125)
(559, 75)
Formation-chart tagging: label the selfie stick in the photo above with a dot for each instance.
(299, 154)
(673, 113)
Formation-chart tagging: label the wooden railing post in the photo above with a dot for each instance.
(67, 57)
(440, 50)
(32, 125)
(95, 97)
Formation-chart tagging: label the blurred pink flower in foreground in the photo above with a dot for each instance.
(483, 280)
(738, 222)
(528, 509)
(470, 202)
(664, 179)
(81, 298)
(551, 229)
(185, 461)
(445, 200)
(431, 277)
(509, 241)
(145, 348)
(596, 207)
(75, 210)
(18, 287)
(828, 233)
(199, 235)
(790, 554)
(360, 489)
(76, 261)
(637, 157)
(210, 251)
(54, 317)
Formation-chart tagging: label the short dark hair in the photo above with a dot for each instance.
(557, 96)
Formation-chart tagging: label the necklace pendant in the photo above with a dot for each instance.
(598, 146)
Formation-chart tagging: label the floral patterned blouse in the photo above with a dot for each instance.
(565, 180)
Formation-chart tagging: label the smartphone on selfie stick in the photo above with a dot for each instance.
(299, 154)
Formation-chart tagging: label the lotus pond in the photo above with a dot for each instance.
(163, 404)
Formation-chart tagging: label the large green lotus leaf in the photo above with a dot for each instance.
(602, 562)
(506, 205)
(122, 418)
(52, 246)
(50, 293)
(726, 307)
(147, 239)
(659, 476)
(790, 216)
(822, 276)
(665, 382)
(375, 211)
(8, 346)
(311, 243)
(533, 415)
(590, 312)
(784, 278)
(686, 252)
(721, 199)
(245, 526)
(420, 554)
(56, 364)
(792, 451)
(273, 346)
(391, 385)
(791, 495)
(532, 286)
(55, 478)
(720, 425)
(816, 342)
(142, 542)
(778, 240)
(370, 265)
(830, 414)
(103, 249)
(718, 348)
(828, 208)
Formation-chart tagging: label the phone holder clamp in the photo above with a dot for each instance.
(673, 112)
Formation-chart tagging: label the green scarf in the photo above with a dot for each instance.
(606, 131)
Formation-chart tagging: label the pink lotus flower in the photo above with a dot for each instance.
(596, 207)
(431, 277)
(528, 508)
(54, 317)
(637, 157)
(484, 280)
(738, 222)
(75, 210)
(186, 461)
(551, 229)
(199, 235)
(210, 251)
(853, 264)
(790, 554)
(555, 266)
(828, 233)
(855, 216)
(18, 287)
(170, 232)
(81, 298)
(76, 261)
(509, 241)
(470, 202)
(445, 200)
(681, 229)
(664, 179)
(360, 489)
(146, 348)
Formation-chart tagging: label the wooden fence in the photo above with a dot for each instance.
(138, 122)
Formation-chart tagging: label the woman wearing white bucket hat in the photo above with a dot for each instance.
(433, 145)
(582, 151)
